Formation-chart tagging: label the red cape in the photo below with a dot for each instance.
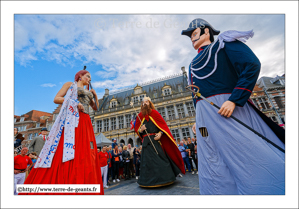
(168, 143)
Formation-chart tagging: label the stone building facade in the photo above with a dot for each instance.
(269, 96)
(168, 95)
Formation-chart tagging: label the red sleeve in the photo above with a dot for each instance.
(29, 160)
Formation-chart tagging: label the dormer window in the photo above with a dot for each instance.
(135, 99)
(141, 97)
(113, 104)
(167, 92)
(37, 125)
(138, 89)
(22, 119)
(15, 120)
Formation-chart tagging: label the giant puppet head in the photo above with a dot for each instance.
(201, 33)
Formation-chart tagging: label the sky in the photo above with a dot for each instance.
(121, 50)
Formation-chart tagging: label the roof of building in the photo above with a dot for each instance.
(268, 82)
(34, 115)
(124, 96)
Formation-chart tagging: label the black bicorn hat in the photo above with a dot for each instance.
(198, 23)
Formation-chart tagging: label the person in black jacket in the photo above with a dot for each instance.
(17, 138)
(126, 158)
(115, 163)
(191, 146)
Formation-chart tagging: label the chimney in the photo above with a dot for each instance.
(106, 92)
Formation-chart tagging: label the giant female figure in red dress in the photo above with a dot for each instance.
(66, 162)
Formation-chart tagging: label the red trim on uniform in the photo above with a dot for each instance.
(243, 89)
(199, 50)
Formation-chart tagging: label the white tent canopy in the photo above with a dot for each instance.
(101, 140)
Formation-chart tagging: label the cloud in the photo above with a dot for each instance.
(48, 85)
(137, 48)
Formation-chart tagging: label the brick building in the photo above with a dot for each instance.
(269, 96)
(31, 123)
(168, 95)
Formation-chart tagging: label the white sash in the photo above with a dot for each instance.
(68, 119)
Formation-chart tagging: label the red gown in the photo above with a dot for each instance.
(83, 169)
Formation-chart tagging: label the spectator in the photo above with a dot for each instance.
(103, 158)
(115, 164)
(114, 143)
(110, 168)
(137, 160)
(131, 166)
(194, 141)
(20, 167)
(18, 138)
(38, 142)
(126, 157)
(15, 153)
(33, 157)
(191, 147)
(121, 163)
(184, 156)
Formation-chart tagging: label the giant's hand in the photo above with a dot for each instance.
(80, 107)
(142, 128)
(227, 108)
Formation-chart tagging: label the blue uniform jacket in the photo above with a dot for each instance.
(237, 72)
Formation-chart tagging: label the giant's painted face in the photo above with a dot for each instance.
(197, 39)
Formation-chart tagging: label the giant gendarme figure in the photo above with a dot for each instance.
(231, 158)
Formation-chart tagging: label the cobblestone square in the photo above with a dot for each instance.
(187, 185)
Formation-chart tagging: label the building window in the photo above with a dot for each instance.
(106, 124)
(141, 97)
(22, 119)
(264, 103)
(15, 120)
(113, 104)
(279, 102)
(180, 109)
(190, 109)
(255, 103)
(167, 92)
(171, 113)
(36, 134)
(54, 116)
(113, 123)
(120, 122)
(30, 136)
(135, 99)
(49, 127)
(175, 134)
(161, 110)
(155, 94)
(185, 132)
(99, 126)
(128, 120)
(37, 125)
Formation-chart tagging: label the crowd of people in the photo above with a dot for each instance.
(123, 161)
(119, 162)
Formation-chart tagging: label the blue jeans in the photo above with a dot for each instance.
(186, 162)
